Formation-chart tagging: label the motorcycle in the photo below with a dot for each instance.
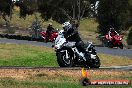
(69, 56)
(53, 35)
(115, 42)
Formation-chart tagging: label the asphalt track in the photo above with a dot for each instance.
(103, 50)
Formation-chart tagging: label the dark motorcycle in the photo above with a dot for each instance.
(69, 56)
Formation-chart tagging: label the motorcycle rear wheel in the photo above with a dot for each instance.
(105, 43)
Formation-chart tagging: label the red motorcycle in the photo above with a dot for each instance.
(53, 35)
(115, 41)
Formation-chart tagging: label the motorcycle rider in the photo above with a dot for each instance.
(112, 33)
(71, 34)
(48, 31)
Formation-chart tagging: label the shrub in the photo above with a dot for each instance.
(129, 38)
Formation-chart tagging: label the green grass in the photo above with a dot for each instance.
(26, 55)
(110, 60)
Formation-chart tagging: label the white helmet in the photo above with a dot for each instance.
(66, 26)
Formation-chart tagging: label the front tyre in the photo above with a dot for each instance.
(121, 46)
(95, 63)
(63, 61)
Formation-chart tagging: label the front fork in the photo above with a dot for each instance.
(67, 54)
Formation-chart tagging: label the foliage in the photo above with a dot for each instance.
(130, 8)
(27, 7)
(63, 10)
(112, 13)
(59, 11)
(5, 7)
(129, 39)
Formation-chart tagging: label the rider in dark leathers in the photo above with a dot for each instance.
(71, 34)
(48, 31)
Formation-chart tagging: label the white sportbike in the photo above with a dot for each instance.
(69, 56)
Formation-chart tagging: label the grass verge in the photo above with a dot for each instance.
(26, 55)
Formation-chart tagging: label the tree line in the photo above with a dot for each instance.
(110, 13)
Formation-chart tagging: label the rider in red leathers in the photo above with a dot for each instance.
(111, 34)
(48, 31)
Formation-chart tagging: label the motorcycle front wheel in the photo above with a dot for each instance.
(121, 46)
(63, 61)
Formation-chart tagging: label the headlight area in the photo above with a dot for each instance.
(56, 47)
(59, 46)
(120, 39)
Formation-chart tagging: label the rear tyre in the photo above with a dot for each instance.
(95, 63)
(63, 61)
(105, 43)
(121, 46)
